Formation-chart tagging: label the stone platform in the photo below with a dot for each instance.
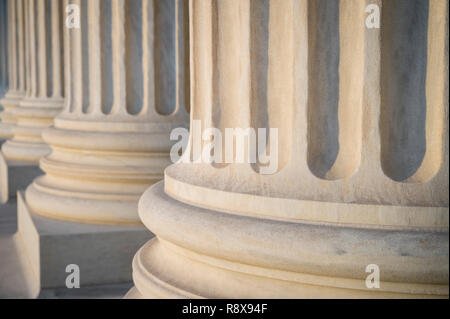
(102, 252)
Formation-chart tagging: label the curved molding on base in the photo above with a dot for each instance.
(33, 115)
(9, 102)
(81, 207)
(22, 151)
(97, 177)
(231, 256)
(6, 130)
(299, 210)
(12, 98)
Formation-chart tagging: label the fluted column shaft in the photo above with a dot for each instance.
(112, 139)
(44, 95)
(362, 175)
(330, 146)
(16, 66)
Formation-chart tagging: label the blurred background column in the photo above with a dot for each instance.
(125, 92)
(44, 95)
(14, 173)
(15, 34)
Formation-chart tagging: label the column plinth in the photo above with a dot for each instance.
(356, 183)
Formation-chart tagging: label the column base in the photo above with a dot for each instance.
(103, 253)
(204, 253)
(14, 176)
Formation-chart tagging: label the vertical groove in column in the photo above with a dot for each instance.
(68, 84)
(178, 18)
(28, 57)
(12, 41)
(133, 56)
(323, 125)
(42, 45)
(31, 49)
(335, 87)
(181, 56)
(148, 65)
(413, 111)
(165, 56)
(184, 50)
(48, 20)
(259, 60)
(403, 90)
(107, 84)
(56, 49)
(84, 56)
(20, 46)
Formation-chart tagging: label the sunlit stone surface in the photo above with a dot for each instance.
(363, 156)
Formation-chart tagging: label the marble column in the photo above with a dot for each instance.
(16, 65)
(362, 174)
(125, 92)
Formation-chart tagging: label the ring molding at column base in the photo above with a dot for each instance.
(85, 207)
(9, 102)
(27, 152)
(183, 182)
(231, 256)
(12, 99)
(161, 273)
(32, 115)
(6, 131)
(42, 111)
(101, 174)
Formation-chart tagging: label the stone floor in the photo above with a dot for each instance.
(13, 268)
